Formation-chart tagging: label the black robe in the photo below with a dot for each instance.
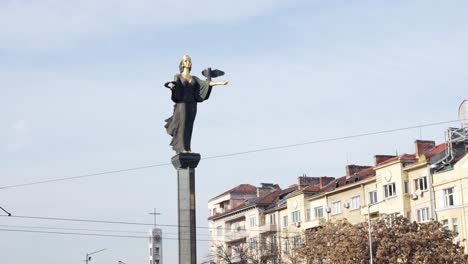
(185, 95)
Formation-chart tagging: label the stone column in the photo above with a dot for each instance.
(185, 163)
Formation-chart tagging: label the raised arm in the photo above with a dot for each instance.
(213, 83)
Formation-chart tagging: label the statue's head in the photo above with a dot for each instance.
(185, 62)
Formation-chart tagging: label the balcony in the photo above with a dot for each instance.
(235, 235)
(314, 223)
(267, 228)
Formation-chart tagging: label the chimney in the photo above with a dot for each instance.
(325, 180)
(381, 158)
(266, 188)
(304, 181)
(353, 169)
(422, 146)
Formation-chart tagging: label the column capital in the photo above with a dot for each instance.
(186, 160)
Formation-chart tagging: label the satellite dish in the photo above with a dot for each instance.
(463, 113)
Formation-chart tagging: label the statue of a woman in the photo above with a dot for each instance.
(187, 91)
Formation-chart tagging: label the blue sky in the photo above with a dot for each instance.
(82, 92)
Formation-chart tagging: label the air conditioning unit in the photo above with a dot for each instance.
(328, 210)
(418, 192)
(346, 205)
(414, 196)
(297, 224)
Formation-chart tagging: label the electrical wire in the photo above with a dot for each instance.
(113, 222)
(226, 155)
(85, 229)
(437, 197)
(90, 234)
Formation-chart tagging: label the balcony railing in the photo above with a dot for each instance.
(236, 235)
(267, 228)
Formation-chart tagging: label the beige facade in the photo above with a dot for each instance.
(420, 186)
(451, 198)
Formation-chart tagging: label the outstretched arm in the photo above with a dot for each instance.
(212, 83)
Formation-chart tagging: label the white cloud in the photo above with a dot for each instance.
(18, 136)
(58, 23)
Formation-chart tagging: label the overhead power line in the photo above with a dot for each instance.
(84, 176)
(88, 230)
(228, 154)
(112, 222)
(88, 234)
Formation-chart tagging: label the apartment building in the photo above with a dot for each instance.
(254, 225)
(431, 183)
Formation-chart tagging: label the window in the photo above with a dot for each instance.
(253, 221)
(156, 250)
(236, 227)
(307, 214)
(151, 251)
(286, 245)
(373, 197)
(455, 226)
(445, 225)
(318, 212)
(406, 187)
(355, 202)
(285, 221)
(420, 184)
(253, 243)
(423, 215)
(296, 216)
(336, 208)
(389, 190)
(219, 230)
(296, 241)
(273, 219)
(448, 197)
(274, 241)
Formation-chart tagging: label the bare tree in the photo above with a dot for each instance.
(228, 254)
(266, 250)
(394, 240)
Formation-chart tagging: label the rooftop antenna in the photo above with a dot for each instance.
(463, 113)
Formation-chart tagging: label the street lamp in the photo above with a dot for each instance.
(88, 255)
(371, 260)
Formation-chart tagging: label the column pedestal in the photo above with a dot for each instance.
(185, 164)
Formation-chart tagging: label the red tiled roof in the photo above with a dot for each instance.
(268, 200)
(436, 150)
(401, 157)
(242, 189)
(244, 203)
(345, 180)
(312, 188)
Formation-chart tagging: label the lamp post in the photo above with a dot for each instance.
(88, 255)
(371, 259)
